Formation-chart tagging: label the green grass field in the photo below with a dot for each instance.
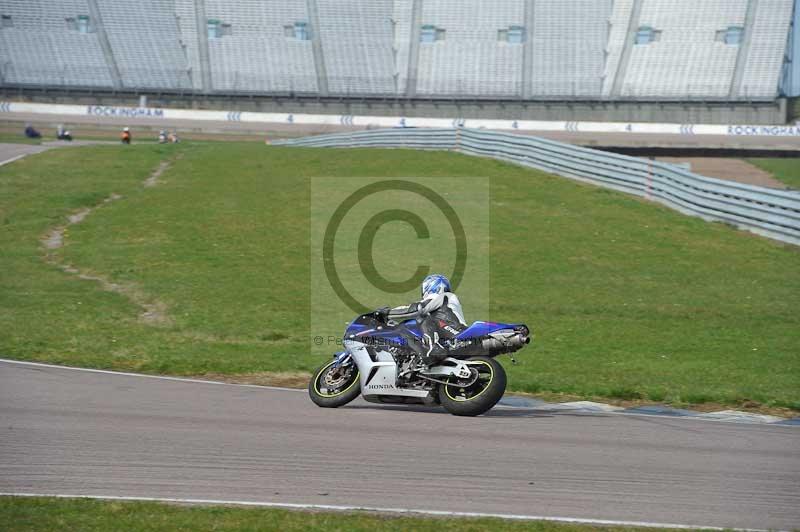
(28, 514)
(18, 138)
(785, 170)
(629, 300)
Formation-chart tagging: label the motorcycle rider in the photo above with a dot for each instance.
(440, 317)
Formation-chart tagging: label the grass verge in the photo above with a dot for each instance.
(630, 300)
(785, 170)
(17, 138)
(29, 514)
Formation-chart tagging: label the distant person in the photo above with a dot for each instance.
(31, 133)
(63, 134)
(173, 137)
(126, 135)
(162, 137)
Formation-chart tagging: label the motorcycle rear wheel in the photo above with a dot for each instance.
(480, 396)
(332, 387)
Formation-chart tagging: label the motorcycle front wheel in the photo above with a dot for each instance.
(332, 387)
(479, 393)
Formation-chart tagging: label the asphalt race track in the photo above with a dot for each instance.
(11, 152)
(276, 130)
(75, 432)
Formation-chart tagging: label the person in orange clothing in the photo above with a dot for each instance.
(126, 135)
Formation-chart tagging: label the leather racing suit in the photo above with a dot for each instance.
(440, 318)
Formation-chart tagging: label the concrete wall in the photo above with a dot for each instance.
(755, 113)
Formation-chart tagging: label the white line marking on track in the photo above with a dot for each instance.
(11, 160)
(162, 377)
(341, 508)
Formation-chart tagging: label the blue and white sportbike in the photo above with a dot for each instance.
(380, 363)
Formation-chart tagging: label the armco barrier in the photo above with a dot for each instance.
(768, 212)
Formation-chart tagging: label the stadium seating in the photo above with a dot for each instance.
(186, 16)
(258, 55)
(469, 59)
(686, 59)
(766, 51)
(145, 41)
(401, 26)
(357, 46)
(568, 47)
(39, 46)
(618, 23)
(597, 49)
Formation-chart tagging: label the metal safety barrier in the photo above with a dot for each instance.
(772, 213)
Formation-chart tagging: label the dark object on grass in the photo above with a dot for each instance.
(31, 133)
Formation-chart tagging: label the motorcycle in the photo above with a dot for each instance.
(380, 364)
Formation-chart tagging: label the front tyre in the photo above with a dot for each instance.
(332, 387)
(474, 396)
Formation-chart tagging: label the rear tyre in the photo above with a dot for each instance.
(464, 398)
(332, 387)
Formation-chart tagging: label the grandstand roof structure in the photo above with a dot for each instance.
(648, 50)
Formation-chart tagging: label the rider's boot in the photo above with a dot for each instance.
(434, 353)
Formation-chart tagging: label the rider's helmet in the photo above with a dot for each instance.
(435, 284)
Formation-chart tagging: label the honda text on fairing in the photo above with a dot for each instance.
(379, 363)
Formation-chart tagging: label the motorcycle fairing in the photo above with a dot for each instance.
(484, 328)
(378, 372)
(366, 324)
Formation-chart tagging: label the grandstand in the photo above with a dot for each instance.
(677, 52)
(250, 50)
(568, 48)
(44, 43)
(460, 51)
(491, 50)
(357, 46)
(145, 43)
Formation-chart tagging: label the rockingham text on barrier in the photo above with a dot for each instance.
(129, 112)
(774, 131)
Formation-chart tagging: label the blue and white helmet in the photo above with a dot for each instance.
(435, 284)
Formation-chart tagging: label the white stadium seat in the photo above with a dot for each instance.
(509, 49)
(40, 48)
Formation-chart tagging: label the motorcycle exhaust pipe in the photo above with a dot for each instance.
(519, 341)
(513, 343)
(492, 344)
